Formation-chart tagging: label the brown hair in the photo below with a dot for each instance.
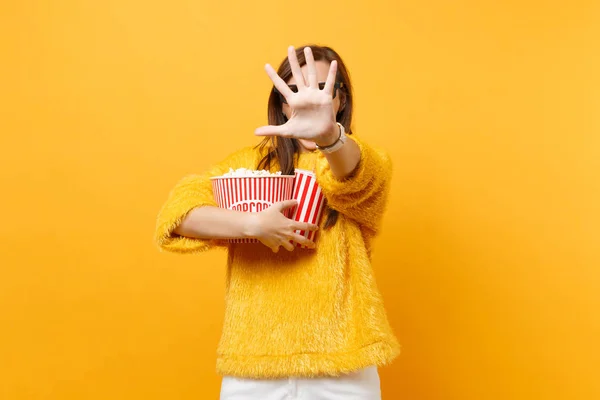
(285, 150)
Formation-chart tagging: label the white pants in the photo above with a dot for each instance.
(360, 385)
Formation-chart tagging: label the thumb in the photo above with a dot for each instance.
(281, 206)
(271, 130)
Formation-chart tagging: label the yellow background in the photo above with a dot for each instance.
(489, 260)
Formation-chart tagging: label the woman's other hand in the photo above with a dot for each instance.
(274, 230)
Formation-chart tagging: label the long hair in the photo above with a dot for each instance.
(285, 150)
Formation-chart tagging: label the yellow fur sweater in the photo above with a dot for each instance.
(306, 313)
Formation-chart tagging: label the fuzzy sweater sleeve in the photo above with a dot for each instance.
(363, 195)
(191, 192)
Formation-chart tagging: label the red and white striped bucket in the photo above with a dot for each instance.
(251, 193)
(310, 201)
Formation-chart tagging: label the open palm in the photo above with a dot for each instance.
(312, 116)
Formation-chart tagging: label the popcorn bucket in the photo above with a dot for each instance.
(310, 201)
(251, 194)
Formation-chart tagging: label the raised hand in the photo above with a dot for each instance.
(312, 115)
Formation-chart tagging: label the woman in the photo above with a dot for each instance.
(306, 323)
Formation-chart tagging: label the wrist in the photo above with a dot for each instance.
(330, 137)
(337, 145)
(250, 225)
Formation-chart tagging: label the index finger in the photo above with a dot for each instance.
(304, 226)
(279, 83)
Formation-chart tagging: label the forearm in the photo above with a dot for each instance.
(345, 160)
(215, 223)
(362, 195)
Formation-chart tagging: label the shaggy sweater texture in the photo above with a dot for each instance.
(306, 313)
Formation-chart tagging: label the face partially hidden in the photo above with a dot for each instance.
(322, 72)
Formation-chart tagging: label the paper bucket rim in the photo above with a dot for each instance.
(305, 171)
(266, 176)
